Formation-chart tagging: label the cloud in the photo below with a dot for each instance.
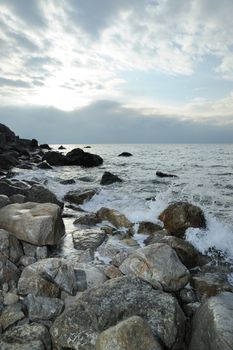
(14, 83)
(109, 122)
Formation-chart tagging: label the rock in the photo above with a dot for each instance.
(99, 308)
(161, 174)
(118, 258)
(10, 247)
(86, 179)
(7, 161)
(26, 337)
(4, 200)
(10, 315)
(87, 220)
(185, 250)
(109, 178)
(79, 196)
(148, 228)
(29, 249)
(67, 182)
(78, 157)
(55, 158)
(17, 198)
(187, 296)
(42, 308)
(10, 298)
(9, 273)
(88, 276)
(44, 165)
(212, 324)
(41, 252)
(61, 147)
(210, 284)
(159, 265)
(181, 215)
(132, 333)
(40, 194)
(125, 154)
(87, 147)
(114, 217)
(8, 189)
(45, 146)
(39, 224)
(26, 260)
(156, 237)
(88, 239)
(112, 271)
(6, 135)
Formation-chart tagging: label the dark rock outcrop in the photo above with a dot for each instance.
(61, 147)
(109, 178)
(78, 157)
(125, 154)
(161, 174)
(45, 146)
(55, 158)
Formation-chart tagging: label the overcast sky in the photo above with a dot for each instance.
(117, 71)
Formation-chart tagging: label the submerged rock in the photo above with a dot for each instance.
(179, 216)
(109, 178)
(212, 324)
(61, 147)
(44, 165)
(79, 196)
(159, 265)
(79, 326)
(125, 154)
(114, 217)
(161, 174)
(39, 224)
(132, 333)
(147, 227)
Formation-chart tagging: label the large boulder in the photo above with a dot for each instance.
(40, 194)
(42, 308)
(78, 157)
(39, 224)
(99, 308)
(55, 158)
(116, 218)
(212, 324)
(159, 265)
(8, 160)
(88, 239)
(6, 135)
(179, 216)
(32, 336)
(132, 333)
(109, 178)
(10, 315)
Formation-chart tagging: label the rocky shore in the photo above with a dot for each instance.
(115, 294)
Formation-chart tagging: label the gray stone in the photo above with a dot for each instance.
(10, 298)
(29, 249)
(159, 265)
(26, 260)
(10, 247)
(87, 220)
(9, 273)
(88, 238)
(39, 224)
(4, 200)
(40, 194)
(100, 308)
(132, 333)
(18, 198)
(41, 252)
(148, 228)
(114, 217)
(26, 337)
(10, 315)
(212, 324)
(210, 284)
(41, 308)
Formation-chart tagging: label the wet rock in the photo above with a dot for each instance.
(88, 239)
(42, 308)
(114, 217)
(132, 333)
(125, 154)
(87, 220)
(210, 284)
(40, 194)
(148, 228)
(159, 265)
(61, 147)
(78, 157)
(100, 308)
(185, 250)
(18, 198)
(55, 158)
(7, 188)
(86, 179)
(26, 337)
(44, 165)
(39, 224)
(10, 247)
(212, 324)
(45, 146)
(10, 315)
(109, 178)
(4, 200)
(79, 196)
(156, 237)
(67, 182)
(8, 161)
(181, 215)
(161, 174)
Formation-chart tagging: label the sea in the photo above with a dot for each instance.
(204, 178)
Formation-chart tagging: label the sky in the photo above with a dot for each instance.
(117, 71)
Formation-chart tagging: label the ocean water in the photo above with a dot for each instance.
(205, 178)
